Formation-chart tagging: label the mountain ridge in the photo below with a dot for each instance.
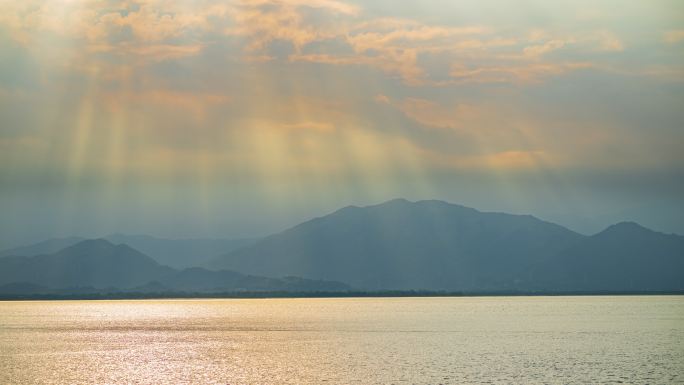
(176, 253)
(432, 244)
(98, 264)
(395, 245)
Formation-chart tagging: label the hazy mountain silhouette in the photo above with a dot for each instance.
(45, 247)
(176, 253)
(625, 256)
(181, 253)
(405, 245)
(399, 244)
(437, 245)
(99, 265)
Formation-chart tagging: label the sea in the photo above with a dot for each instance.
(436, 340)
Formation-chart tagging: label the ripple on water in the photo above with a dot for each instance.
(345, 341)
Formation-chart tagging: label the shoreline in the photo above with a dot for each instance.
(303, 295)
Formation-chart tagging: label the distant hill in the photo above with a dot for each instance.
(625, 256)
(440, 246)
(45, 247)
(181, 253)
(397, 245)
(176, 253)
(99, 265)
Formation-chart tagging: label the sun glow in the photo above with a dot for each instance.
(202, 103)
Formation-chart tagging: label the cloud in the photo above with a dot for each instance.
(132, 49)
(400, 63)
(674, 36)
(330, 5)
(154, 29)
(261, 22)
(504, 160)
(308, 126)
(434, 115)
(478, 54)
(606, 41)
(382, 99)
(535, 51)
(345, 36)
(398, 33)
(326, 32)
(546, 42)
(516, 73)
(149, 52)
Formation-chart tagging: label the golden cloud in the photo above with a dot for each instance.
(525, 73)
(674, 36)
(149, 31)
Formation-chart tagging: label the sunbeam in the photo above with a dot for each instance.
(292, 108)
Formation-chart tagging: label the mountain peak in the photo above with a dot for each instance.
(92, 244)
(397, 201)
(404, 244)
(90, 263)
(402, 202)
(626, 227)
(439, 203)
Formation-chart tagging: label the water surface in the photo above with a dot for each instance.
(344, 341)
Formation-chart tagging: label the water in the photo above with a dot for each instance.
(345, 341)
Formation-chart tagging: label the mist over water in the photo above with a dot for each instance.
(369, 340)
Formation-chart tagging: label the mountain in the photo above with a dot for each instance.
(424, 245)
(45, 247)
(440, 246)
(181, 253)
(101, 266)
(626, 256)
(406, 245)
(97, 263)
(176, 253)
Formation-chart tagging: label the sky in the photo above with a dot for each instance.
(203, 118)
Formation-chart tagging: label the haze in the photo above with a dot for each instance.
(211, 118)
